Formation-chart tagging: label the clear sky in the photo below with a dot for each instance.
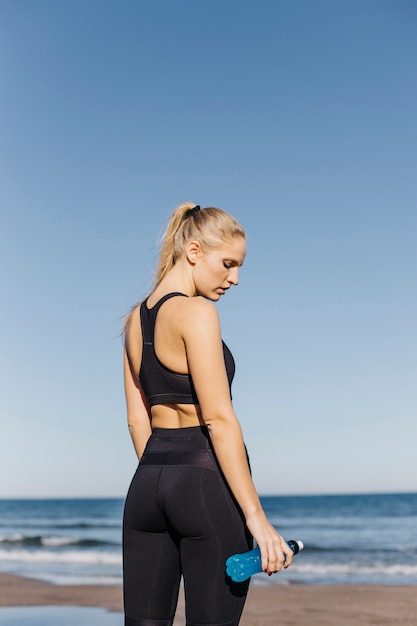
(297, 117)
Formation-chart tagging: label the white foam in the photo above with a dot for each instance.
(341, 569)
(11, 538)
(92, 579)
(58, 541)
(69, 556)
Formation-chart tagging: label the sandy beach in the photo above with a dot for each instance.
(295, 605)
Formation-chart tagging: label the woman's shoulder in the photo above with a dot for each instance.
(198, 314)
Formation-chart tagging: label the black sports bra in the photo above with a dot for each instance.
(160, 384)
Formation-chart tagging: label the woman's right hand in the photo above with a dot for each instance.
(274, 549)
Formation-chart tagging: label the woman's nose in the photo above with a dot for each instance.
(234, 276)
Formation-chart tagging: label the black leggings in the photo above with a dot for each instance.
(181, 519)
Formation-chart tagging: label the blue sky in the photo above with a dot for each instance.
(297, 117)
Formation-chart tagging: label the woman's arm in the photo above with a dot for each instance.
(138, 412)
(202, 338)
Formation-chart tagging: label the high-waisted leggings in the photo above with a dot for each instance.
(180, 519)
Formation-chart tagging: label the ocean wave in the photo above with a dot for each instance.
(91, 579)
(51, 541)
(48, 523)
(314, 570)
(98, 524)
(347, 573)
(359, 548)
(344, 569)
(69, 556)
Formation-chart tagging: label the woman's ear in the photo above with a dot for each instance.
(192, 251)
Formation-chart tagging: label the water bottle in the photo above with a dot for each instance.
(241, 566)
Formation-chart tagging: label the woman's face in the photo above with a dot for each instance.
(216, 270)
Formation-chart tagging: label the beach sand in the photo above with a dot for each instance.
(280, 605)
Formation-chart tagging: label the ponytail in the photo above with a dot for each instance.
(167, 256)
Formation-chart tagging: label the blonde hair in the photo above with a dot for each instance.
(209, 226)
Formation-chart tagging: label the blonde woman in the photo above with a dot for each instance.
(192, 502)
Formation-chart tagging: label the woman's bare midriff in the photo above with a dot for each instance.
(176, 416)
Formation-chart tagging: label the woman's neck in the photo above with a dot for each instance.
(179, 279)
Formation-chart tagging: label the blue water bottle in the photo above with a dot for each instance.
(241, 566)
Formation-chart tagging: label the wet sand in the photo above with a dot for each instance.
(277, 605)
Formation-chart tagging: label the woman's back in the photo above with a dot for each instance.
(166, 370)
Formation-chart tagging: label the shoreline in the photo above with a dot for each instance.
(288, 605)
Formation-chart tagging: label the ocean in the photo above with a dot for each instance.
(366, 539)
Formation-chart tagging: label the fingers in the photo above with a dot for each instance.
(275, 556)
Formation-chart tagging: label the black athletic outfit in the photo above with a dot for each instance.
(180, 517)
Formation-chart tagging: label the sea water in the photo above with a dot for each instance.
(367, 539)
(62, 541)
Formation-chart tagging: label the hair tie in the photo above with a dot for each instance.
(193, 211)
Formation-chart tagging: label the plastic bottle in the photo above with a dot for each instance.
(241, 566)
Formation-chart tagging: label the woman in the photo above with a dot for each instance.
(192, 502)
